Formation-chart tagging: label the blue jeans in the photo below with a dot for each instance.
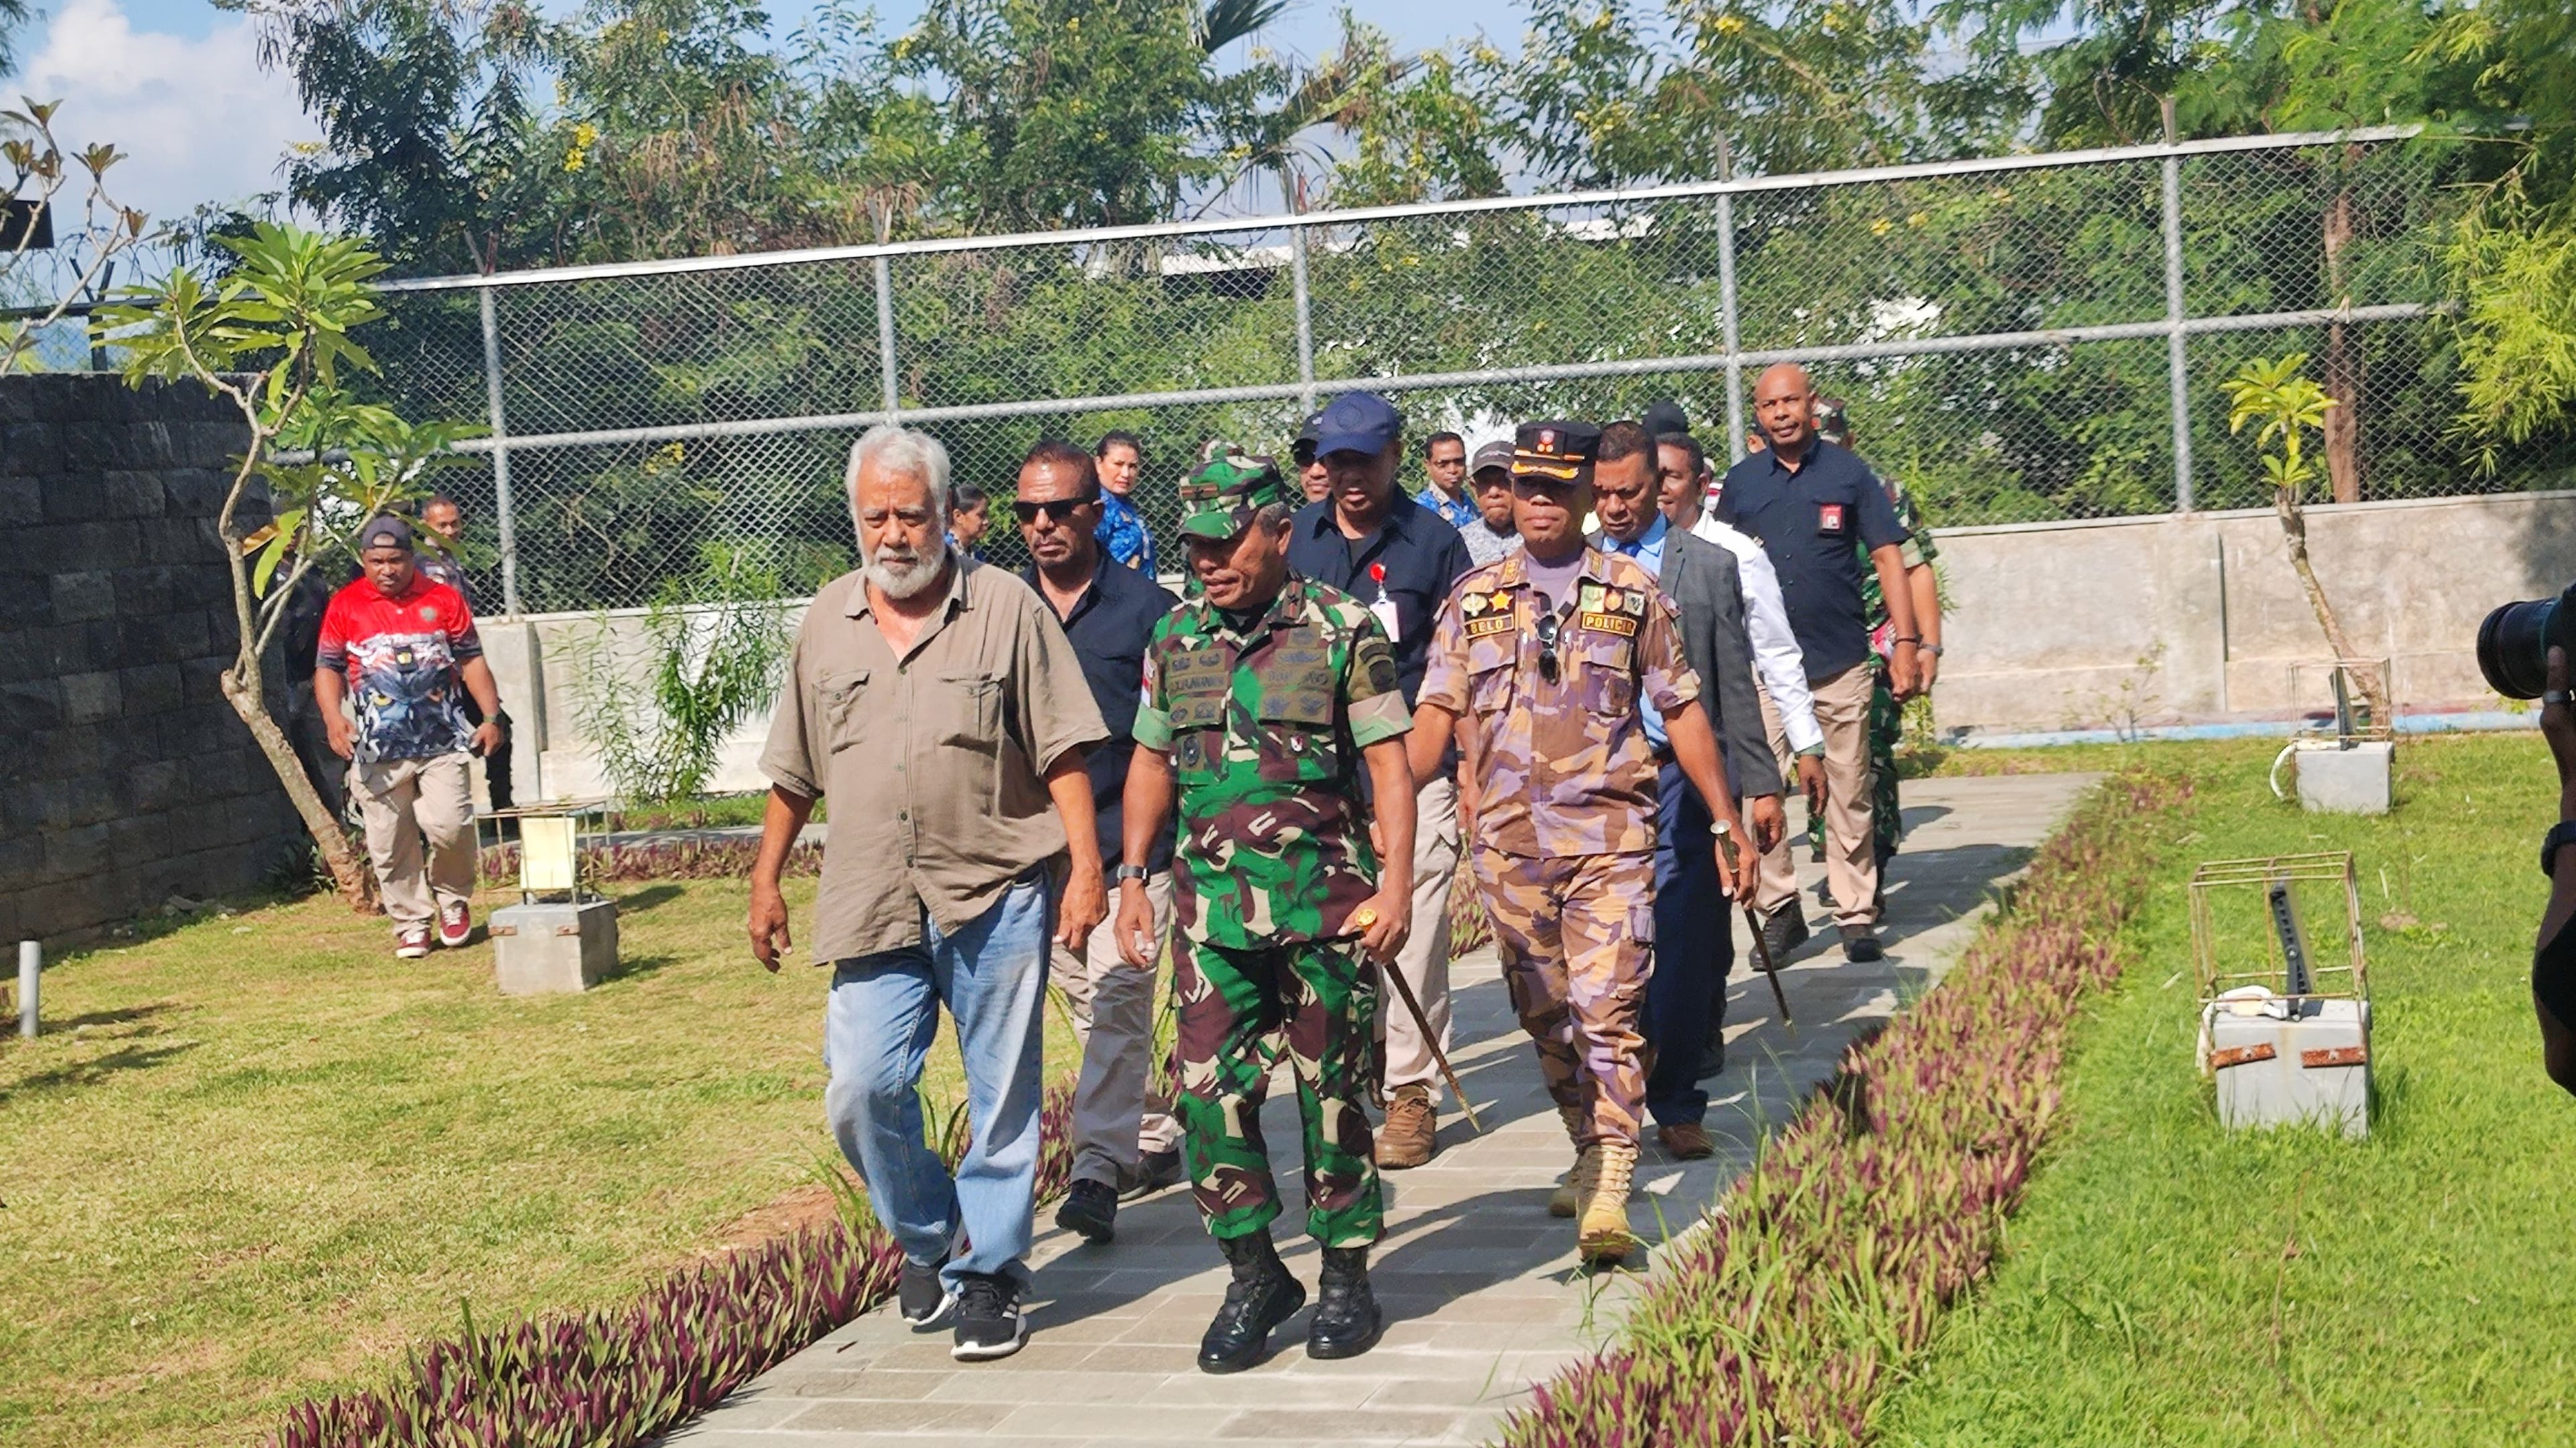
(877, 1028)
(1694, 951)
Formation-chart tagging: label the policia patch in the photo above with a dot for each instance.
(1610, 610)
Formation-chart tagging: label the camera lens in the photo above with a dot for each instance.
(2513, 647)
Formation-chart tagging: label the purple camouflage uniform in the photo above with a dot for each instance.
(1565, 831)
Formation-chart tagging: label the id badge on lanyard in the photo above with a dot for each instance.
(1383, 607)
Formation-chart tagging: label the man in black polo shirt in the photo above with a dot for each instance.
(1122, 1144)
(1367, 539)
(1807, 501)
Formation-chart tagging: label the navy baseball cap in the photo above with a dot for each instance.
(1357, 422)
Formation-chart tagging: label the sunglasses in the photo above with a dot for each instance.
(1531, 487)
(1548, 623)
(1057, 510)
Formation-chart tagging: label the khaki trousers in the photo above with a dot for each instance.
(1851, 862)
(401, 801)
(1425, 957)
(1115, 1118)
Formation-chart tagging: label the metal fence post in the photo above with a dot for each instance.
(2177, 359)
(31, 984)
(888, 391)
(1726, 307)
(1305, 318)
(504, 512)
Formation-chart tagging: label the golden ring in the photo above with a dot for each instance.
(1364, 918)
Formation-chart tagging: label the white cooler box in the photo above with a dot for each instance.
(2291, 1061)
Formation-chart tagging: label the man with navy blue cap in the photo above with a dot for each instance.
(1366, 538)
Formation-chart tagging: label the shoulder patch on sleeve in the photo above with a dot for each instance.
(1373, 667)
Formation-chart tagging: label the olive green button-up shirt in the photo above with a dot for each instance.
(934, 761)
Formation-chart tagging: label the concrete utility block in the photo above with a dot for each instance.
(2345, 781)
(546, 948)
(2312, 1067)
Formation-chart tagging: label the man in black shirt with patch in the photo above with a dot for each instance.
(1124, 1143)
(1806, 501)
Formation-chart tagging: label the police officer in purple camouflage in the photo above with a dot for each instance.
(1537, 666)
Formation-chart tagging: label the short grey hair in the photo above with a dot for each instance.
(916, 455)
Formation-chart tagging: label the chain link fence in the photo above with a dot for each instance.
(2022, 339)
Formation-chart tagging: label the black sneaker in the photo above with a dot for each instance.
(1861, 947)
(1785, 930)
(1090, 1208)
(989, 1322)
(1152, 1172)
(920, 1296)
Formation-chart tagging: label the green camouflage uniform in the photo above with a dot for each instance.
(1886, 719)
(1264, 721)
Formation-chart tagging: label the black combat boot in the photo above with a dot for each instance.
(1347, 1322)
(1261, 1296)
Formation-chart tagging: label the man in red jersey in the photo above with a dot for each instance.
(404, 650)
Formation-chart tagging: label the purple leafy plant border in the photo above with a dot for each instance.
(1821, 1274)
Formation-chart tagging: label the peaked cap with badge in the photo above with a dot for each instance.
(1559, 451)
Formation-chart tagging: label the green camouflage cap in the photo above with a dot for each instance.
(1222, 498)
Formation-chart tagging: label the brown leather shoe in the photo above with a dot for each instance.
(1406, 1138)
(1685, 1141)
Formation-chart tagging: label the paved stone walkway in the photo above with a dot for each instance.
(1480, 1285)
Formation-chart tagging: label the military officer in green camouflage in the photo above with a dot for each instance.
(1265, 697)
(1540, 663)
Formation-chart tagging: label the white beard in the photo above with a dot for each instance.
(907, 575)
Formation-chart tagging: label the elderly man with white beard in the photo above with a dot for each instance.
(938, 704)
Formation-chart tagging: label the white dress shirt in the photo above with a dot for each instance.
(1766, 624)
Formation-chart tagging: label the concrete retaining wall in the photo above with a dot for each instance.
(2199, 618)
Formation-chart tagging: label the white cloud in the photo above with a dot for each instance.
(197, 118)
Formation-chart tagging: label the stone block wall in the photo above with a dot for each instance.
(125, 778)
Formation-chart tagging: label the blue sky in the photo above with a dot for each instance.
(176, 84)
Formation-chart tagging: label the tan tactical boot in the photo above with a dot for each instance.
(1406, 1138)
(1572, 1187)
(1604, 1234)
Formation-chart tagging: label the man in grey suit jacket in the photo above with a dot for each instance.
(1694, 939)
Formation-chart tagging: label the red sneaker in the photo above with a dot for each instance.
(411, 942)
(455, 923)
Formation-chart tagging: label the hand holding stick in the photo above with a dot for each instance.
(1761, 947)
(1404, 992)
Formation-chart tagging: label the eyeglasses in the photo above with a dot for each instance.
(1548, 622)
(1058, 509)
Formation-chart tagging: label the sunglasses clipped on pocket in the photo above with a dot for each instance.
(1549, 621)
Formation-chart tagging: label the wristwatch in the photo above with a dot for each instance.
(2561, 833)
(1125, 873)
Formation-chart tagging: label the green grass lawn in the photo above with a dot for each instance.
(257, 1156)
(2164, 1283)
